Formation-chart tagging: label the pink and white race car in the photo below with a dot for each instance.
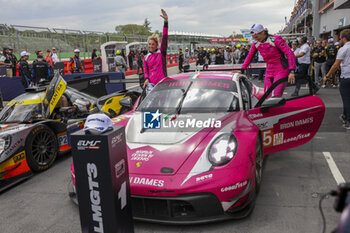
(197, 141)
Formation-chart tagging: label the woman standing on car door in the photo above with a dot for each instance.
(279, 58)
(155, 63)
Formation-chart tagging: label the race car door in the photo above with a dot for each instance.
(53, 93)
(288, 121)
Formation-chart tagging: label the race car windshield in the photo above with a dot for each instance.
(203, 96)
(20, 113)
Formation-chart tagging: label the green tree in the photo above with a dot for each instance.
(236, 36)
(132, 29)
(146, 25)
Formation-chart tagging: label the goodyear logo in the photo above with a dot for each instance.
(19, 157)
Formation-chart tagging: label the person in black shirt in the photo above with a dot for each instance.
(181, 60)
(14, 62)
(220, 57)
(244, 54)
(318, 54)
(24, 70)
(201, 55)
(131, 56)
(331, 54)
(94, 55)
(41, 71)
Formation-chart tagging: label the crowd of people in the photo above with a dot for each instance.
(133, 60)
(313, 59)
(235, 54)
(41, 69)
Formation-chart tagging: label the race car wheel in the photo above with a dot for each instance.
(258, 164)
(41, 148)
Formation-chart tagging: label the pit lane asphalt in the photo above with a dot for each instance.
(288, 200)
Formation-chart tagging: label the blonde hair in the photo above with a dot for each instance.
(154, 37)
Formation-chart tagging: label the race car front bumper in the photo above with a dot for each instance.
(194, 208)
(187, 209)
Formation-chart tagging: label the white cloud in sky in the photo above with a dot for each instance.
(204, 16)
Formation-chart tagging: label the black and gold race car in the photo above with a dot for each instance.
(36, 126)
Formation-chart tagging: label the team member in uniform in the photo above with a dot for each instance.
(201, 57)
(237, 54)
(119, 62)
(343, 61)
(155, 63)
(24, 70)
(304, 62)
(273, 49)
(181, 60)
(243, 55)
(227, 55)
(331, 54)
(6, 61)
(212, 57)
(318, 54)
(187, 58)
(75, 64)
(14, 62)
(42, 70)
(220, 57)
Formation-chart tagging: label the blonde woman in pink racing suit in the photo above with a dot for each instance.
(279, 58)
(155, 62)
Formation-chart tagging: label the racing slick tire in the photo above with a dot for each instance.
(258, 163)
(41, 148)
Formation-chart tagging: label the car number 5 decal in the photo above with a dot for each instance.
(267, 137)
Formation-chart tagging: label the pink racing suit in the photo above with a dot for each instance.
(155, 64)
(273, 51)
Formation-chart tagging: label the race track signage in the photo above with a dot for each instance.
(229, 39)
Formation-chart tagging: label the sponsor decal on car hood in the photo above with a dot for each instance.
(162, 153)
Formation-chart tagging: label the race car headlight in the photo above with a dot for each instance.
(5, 142)
(222, 150)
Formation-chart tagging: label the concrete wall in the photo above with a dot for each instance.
(330, 18)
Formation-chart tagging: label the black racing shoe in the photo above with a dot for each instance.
(342, 118)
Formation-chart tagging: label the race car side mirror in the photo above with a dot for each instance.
(271, 103)
(126, 102)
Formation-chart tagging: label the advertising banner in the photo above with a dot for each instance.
(246, 34)
(228, 40)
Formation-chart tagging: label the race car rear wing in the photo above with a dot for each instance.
(227, 67)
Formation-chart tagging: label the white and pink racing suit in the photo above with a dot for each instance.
(155, 63)
(273, 50)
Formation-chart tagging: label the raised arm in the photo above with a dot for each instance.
(164, 43)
